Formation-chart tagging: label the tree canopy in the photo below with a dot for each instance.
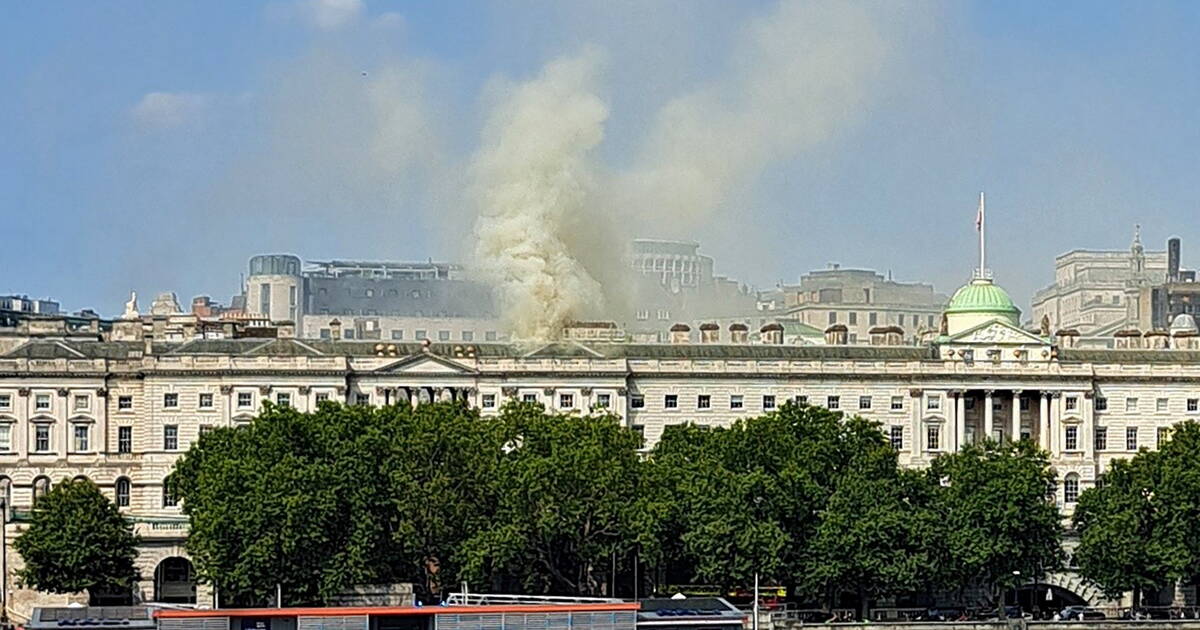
(77, 541)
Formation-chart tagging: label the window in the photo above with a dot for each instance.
(443, 335)
(5, 437)
(422, 335)
(671, 401)
(489, 401)
(897, 403)
(1193, 405)
(348, 333)
(864, 402)
(736, 401)
(83, 402)
(206, 401)
(1131, 405)
(82, 432)
(529, 398)
(168, 500)
(566, 401)
(205, 429)
(322, 397)
(968, 403)
(398, 334)
(900, 320)
(1161, 436)
(245, 399)
(802, 400)
(1072, 403)
(1131, 439)
(326, 334)
(124, 440)
(1071, 442)
(170, 400)
(704, 401)
(833, 402)
(637, 401)
(1101, 404)
(768, 401)
(872, 318)
(490, 335)
(832, 317)
(933, 402)
(122, 492)
(604, 401)
(1071, 488)
(362, 398)
(170, 437)
(41, 438)
(897, 437)
(283, 399)
(1160, 405)
(5, 402)
(468, 335)
(1101, 443)
(41, 486)
(853, 318)
(996, 403)
(41, 402)
(932, 437)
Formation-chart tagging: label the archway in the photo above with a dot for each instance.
(1044, 599)
(175, 581)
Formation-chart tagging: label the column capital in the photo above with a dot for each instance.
(989, 392)
(915, 392)
(1089, 394)
(1018, 392)
(1056, 395)
(227, 389)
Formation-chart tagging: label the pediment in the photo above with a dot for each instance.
(426, 364)
(997, 332)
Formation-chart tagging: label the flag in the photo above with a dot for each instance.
(979, 215)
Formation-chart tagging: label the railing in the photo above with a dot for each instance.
(494, 599)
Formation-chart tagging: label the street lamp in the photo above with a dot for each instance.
(1016, 593)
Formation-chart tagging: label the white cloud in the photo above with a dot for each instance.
(329, 15)
(388, 20)
(164, 110)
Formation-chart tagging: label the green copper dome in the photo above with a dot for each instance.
(983, 297)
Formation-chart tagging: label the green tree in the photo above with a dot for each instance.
(77, 541)
(569, 502)
(996, 523)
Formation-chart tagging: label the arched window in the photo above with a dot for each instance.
(41, 486)
(122, 491)
(80, 478)
(1071, 488)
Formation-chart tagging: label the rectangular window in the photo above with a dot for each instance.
(325, 333)
(82, 433)
(124, 440)
(1131, 405)
(969, 403)
(422, 335)
(704, 401)
(168, 500)
(1071, 442)
(41, 402)
(1161, 436)
(205, 428)
(5, 437)
(245, 399)
(566, 401)
(833, 402)
(671, 401)
(321, 397)
(872, 318)
(41, 438)
(853, 318)
(490, 335)
(362, 398)
(637, 401)
(5, 402)
(264, 299)
(900, 320)
(283, 399)
(1072, 403)
(443, 335)
(897, 438)
(897, 403)
(529, 398)
(1024, 404)
(768, 401)
(1101, 404)
(832, 317)
(933, 402)
(864, 402)
(1160, 405)
(932, 437)
(398, 334)
(603, 401)
(801, 400)
(348, 333)
(736, 401)
(468, 335)
(1101, 441)
(171, 400)
(1131, 439)
(83, 402)
(489, 401)
(1193, 405)
(206, 401)
(170, 437)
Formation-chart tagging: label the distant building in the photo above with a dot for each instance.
(25, 304)
(862, 300)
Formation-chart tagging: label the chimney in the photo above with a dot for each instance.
(836, 335)
(680, 333)
(1173, 259)
(710, 333)
(772, 334)
(335, 329)
(739, 333)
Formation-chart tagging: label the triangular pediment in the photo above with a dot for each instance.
(997, 332)
(426, 364)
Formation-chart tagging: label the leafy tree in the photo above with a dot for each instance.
(568, 504)
(994, 516)
(1123, 542)
(77, 541)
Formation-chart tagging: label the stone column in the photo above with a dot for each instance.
(1016, 415)
(1055, 424)
(917, 442)
(988, 415)
(1044, 420)
(1088, 439)
(960, 418)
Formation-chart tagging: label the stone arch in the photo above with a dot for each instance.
(175, 581)
(1072, 583)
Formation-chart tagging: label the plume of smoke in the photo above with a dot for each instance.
(533, 181)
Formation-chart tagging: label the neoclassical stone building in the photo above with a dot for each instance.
(120, 407)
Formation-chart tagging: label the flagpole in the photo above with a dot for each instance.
(982, 239)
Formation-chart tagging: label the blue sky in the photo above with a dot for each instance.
(157, 145)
